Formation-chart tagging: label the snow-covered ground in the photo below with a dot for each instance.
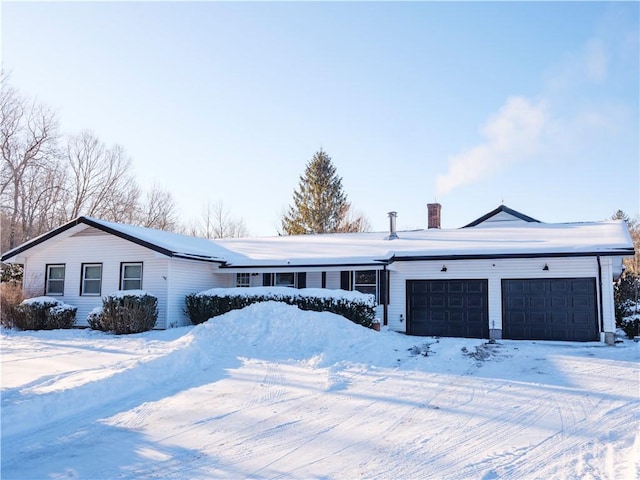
(274, 392)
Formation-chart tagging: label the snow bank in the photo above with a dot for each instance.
(268, 327)
(268, 330)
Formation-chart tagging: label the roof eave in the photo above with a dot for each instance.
(98, 225)
(623, 252)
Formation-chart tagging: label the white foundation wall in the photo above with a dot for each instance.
(106, 249)
(494, 271)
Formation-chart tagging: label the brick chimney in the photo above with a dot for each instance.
(433, 215)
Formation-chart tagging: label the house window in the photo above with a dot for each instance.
(364, 281)
(91, 279)
(55, 280)
(285, 279)
(243, 279)
(131, 276)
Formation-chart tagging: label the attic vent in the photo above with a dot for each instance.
(392, 225)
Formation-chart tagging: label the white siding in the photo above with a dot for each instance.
(186, 277)
(494, 271)
(333, 280)
(608, 311)
(106, 249)
(314, 280)
(501, 218)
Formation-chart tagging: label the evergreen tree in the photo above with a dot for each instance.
(319, 204)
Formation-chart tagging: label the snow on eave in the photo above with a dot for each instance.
(166, 243)
(524, 240)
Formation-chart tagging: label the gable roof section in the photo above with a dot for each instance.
(504, 210)
(166, 243)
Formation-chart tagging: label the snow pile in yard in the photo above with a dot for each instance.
(271, 391)
(273, 329)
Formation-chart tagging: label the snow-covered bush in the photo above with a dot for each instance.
(355, 306)
(627, 304)
(127, 311)
(630, 322)
(94, 318)
(43, 313)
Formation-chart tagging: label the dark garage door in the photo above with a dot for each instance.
(448, 308)
(550, 309)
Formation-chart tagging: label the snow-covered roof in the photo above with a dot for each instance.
(166, 243)
(505, 239)
(523, 239)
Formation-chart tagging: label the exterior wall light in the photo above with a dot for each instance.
(444, 268)
(546, 267)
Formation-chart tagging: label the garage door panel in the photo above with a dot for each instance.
(516, 302)
(436, 301)
(456, 308)
(582, 301)
(537, 302)
(550, 309)
(560, 302)
(455, 301)
(536, 287)
(475, 302)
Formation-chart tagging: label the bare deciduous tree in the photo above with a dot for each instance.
(100, 183)
(354, 221)
(28, 140)
(216, 222)
(159, 210)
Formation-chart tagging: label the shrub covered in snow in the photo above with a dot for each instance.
(627, 304)
(127, 311)
(631, 324)
(42, 313)
(355, 306)
(94, 318)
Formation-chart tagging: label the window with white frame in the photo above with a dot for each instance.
(131, 276)
(91, 279)
(285, 279)
(364, 281)
(243, 279)
(55, 280)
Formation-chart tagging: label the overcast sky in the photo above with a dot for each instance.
(534, 105)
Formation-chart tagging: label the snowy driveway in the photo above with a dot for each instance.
(272, 392)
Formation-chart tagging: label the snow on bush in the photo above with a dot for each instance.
(355, 306)
(42, 313)
(94, 318)
(125, 311)
(630, 323)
